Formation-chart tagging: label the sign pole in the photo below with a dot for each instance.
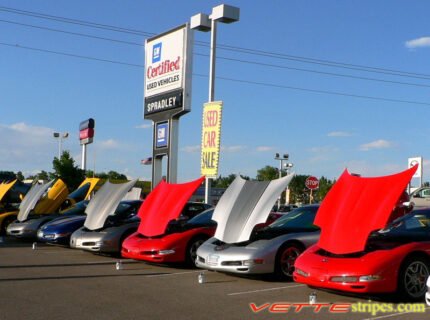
(84, 157)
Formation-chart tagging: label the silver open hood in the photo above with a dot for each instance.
(32, 198)
(105, 202)
(245, 204)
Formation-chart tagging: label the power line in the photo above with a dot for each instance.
(228, 79)
(226, 47)
(319, 91)
(221, 58)
(70, 55)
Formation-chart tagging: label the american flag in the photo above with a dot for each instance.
(146, 161)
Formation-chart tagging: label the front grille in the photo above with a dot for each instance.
(148, 253)
(88, 243)
(231, 263)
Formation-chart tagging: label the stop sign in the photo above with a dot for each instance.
(312, 183)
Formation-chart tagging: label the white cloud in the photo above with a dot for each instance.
(144, 126)
(323, 153)
(339, 134)
(108, 144)
(264, 148)
(378, 144)
(191, 149)
(232, 149)
(418, 43)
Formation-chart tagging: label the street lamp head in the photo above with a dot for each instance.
(65, 135)
(200, 22)
(56, 134)
(289, 165)
(225, 13)
(286, 156)
(277, 156)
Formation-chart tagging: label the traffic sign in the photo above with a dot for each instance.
(312, 183)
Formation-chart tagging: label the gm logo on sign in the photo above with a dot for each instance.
(156, 52)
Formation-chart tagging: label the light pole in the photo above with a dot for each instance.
(202, 22)
(281, 159)
(60, 137)
(287, 193)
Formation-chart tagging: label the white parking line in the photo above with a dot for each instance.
(171, 274)
(262, 290)
(394, 315)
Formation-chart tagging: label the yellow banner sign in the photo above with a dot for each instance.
(211, 137)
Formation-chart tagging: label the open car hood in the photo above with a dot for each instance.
(5, 187)
(356, 206)
(105, 202)
(245, 204)
(163, 204)
(31, 199)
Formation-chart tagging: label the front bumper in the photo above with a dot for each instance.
(93, 241)
(23, 230)
(55, 238)
(323, 281)
(236, 259)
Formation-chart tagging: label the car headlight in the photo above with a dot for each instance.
(369, 278)
(165, 252)
(301, 272)
(252, 262)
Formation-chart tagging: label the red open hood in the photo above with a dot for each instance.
(355, 207)
(163, 204)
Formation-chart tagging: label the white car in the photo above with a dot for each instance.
(428, 292)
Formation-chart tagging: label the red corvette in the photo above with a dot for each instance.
(357, 252)
(178, 244)
(161, 238)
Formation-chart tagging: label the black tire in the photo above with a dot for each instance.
(6, 222)
(191, 251)
(285, 258)
(413, 275)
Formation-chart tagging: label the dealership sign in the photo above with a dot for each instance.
(86, 131)
(168, 70)
(414, 161)
(211, 137)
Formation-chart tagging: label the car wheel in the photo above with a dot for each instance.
(412, 278)
(191, 253)
(285, 258)
(6, 222)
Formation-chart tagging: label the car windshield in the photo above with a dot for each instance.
(418, 220)
(302, 218)
(202, 218)
(78, 208)
(80, 193)
(125, 209)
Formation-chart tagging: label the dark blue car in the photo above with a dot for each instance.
(59, 230)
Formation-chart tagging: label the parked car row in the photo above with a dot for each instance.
(349, 243)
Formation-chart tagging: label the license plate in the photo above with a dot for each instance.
(213, 259)
(49, 236)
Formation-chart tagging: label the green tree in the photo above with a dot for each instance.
(224, 182)
(267, 173)
(43, 175)
(20, 176)
(7, 175)
(65, 169)
(113, 175)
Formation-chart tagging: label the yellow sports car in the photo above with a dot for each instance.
(29, 220)
(47, 204)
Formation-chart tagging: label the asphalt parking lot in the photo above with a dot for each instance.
(60, 283)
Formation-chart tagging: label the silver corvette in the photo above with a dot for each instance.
(272, 249)
(109, 220)
(237, 247)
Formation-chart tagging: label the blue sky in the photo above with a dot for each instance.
(269, 104)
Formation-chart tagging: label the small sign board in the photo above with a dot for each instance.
(162, 135)
(312, 183)
(211, 137)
